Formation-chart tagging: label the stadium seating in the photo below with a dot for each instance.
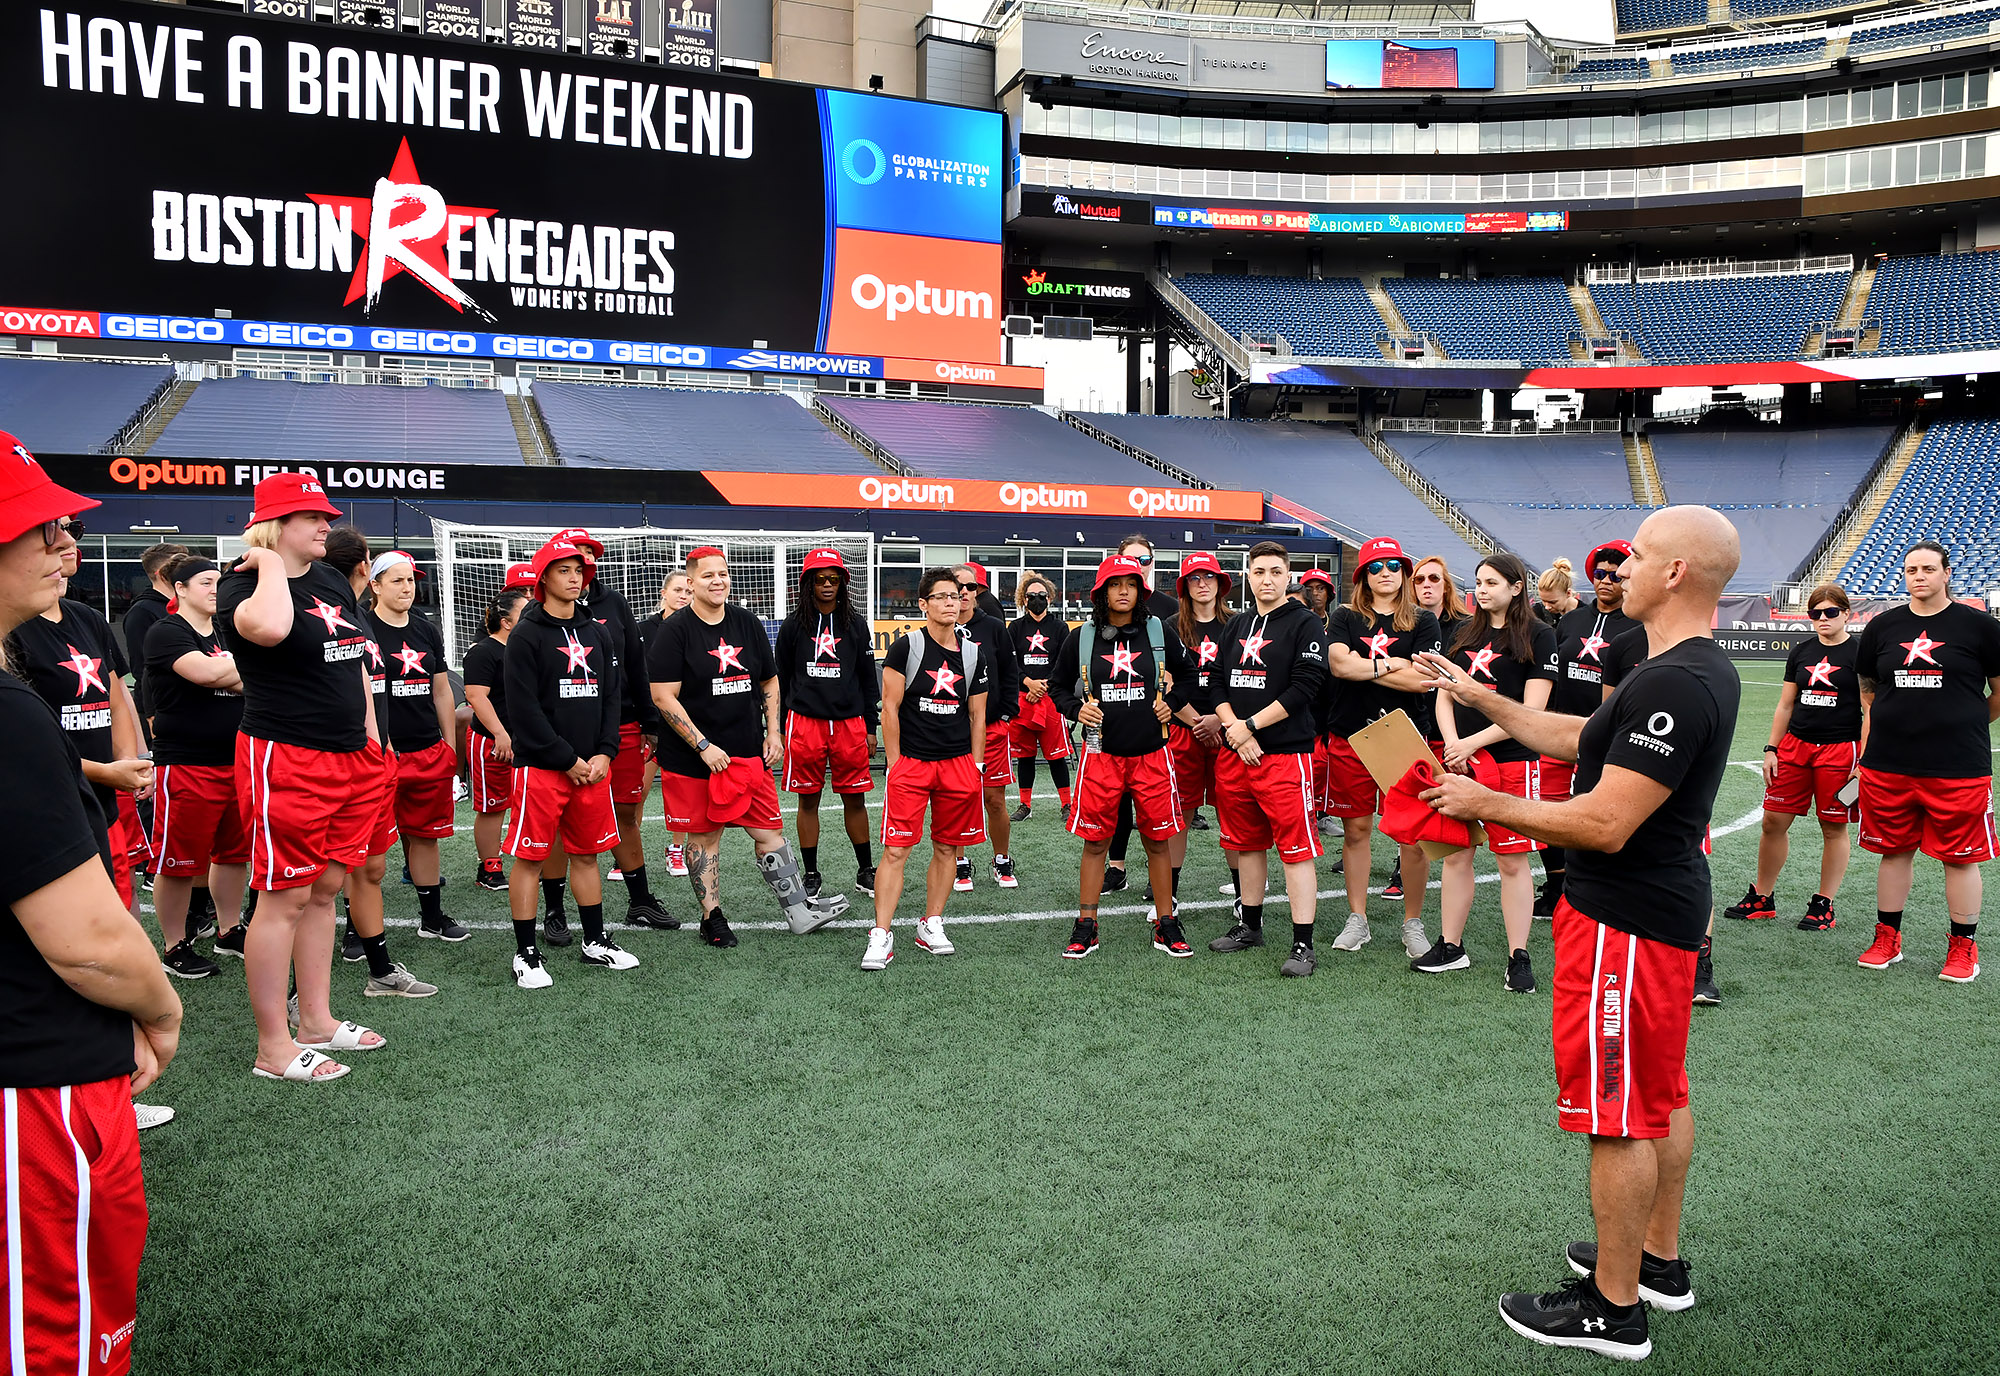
(73, 408)
(1767, 466)
(1951, 494)
(1527, 318)
(1558, 470)
(1936, 28)
(658, 427)
(1721, 317)
(942, 439)
(1639, 15)
(1319, 317)
(1738, 57)
(1939, 302)
(1323, 468)
(1609, 69)
(249, 418)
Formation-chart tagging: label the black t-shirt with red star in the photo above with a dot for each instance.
(720, 669)
(1491, 666)
(1929, 718)
(307, 689)
(934, 721)
(1828, 710)
(410, 656)
(1583, 645)
(827, 670)
(1037, 643)
(192, 722)
(1204, 654)
(71, 663)
(1124, 679)
(1374, 636)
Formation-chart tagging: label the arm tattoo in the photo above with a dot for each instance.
(705, 881)
(679, 720)
(1868, 685)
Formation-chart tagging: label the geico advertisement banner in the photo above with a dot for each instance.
(887, 491)
(186, 162)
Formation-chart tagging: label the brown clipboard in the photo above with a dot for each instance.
(1388, 748)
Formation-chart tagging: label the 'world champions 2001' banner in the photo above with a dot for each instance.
(181, 163)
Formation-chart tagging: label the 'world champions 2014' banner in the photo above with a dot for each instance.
(176, 163)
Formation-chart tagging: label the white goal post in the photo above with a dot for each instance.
(764, 566)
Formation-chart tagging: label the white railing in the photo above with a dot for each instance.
(1182, 21)
(1177, 300)
(1697, 269)
(1526, 428)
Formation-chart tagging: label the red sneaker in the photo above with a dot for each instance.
(1753, 907)
(1961, 961)
(1887, 950)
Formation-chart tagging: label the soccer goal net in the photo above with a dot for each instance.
(764, 568)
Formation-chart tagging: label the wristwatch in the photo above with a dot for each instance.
(1770, 750)
(701, 745)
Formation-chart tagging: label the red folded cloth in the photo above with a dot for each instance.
(1409, 820)
(729, 793)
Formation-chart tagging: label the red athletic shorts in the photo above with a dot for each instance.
(949, 788)
(1266, 806)
(423, 792)
(1103, 779)
(1038, 726)
(1558, 780)
(129, 845)
(1620, 1016)
(998, 763)
(1517, 779)
(383, 835)
(1194, 766)
(197, 820)
(1349, 789)
(815, 747)
(1808, 776)
(308, 808)
(71, 1162)
(628, 766)
(686, 800)
(492, 782)
(1948, 819)
(546, 804)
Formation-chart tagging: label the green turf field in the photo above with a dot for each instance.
(763, 1160)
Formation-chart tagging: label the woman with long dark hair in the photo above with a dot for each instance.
(489, 744)
(1505, 647)
(830, 695)
(1038, 728)
(1584, 637)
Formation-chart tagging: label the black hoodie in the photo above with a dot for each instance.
(148, 610)
(832, 682)
(1130, 726)
(1005, 695)
(1275, 657)
(609, 609)
(563, 689)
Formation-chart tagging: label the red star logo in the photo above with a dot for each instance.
(1482, 661)
(728, 656)
(403, 227)
(825, 646)
(1124, 660)
(412, 661)
(1378, 645)
(943, 680)
(1820, 675)
(1253, 647)
(85, 668)
(375, 654)
(330, 614)
(1035, 278)
(1038, 642)
(1920, 649)
(217, 652)
(1592, 643)
(578, 654)
(1205, 652)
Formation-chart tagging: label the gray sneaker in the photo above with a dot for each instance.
(1329, 826)
(1354, 935)
(400, 983)
(1415, 943)
(1302, 962)
(1238, 938)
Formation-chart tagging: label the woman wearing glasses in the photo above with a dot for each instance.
(1583, 644)
(1818, 734)
(1438, 594)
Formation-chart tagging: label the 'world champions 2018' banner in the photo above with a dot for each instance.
(175, 163)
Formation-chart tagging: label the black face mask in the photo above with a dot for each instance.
(1038, 602)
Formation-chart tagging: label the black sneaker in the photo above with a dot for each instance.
(1082, 940)
(1168, 937)
(811, 879)
(201, 924)
(407, 881)
(1003, 872)
(650, 912)
(1301, 962)
(1705, 991)
(555, 928)
(1114, 879)
(230, 943)
(185, 962)
(1819, 915)
(1577, 1316)
(1520, 974)
(961, 878)
(715, 930)
(1020, 814)
(1443, 956)
(1753, 906)
(864, 881)
(1662, 1284)
(1546, 898)
(444, 929)
(1146, 894)
(351, 949)
(492, 878)
(1394, 888)
(1197, 822)
(1241, 937)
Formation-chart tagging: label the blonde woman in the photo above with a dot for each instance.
(1556, 592)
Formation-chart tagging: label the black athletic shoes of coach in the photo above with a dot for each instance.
(1577, 1316)
(1241, 937)
(650, 912)
(1705, 991)
(1662, 1284)
(715, 930)
(1020, 814)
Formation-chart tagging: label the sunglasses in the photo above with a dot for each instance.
(52, 531)
(1375, 566)
(1143, 560)
(1605, 572)
(969, 589)
(1430, 578)
(1827, 613)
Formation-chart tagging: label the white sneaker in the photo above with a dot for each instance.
(152, 1115)
(529, 972)
(605, 951)
(1414, 940)
(931, 937)
(1354, 935)
(677, 864)
(881, 949)
(457, 790)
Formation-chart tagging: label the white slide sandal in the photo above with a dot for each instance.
(346, 1037)
(301, 1069)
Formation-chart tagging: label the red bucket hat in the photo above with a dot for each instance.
(592, 547)
(824, 559)
(28, 495)
(1623, 548)
(1316, 576)
(553, 552)
(1382, 547)
(1202, 563)
(520, 576)
(287, 494)
(1119, 566)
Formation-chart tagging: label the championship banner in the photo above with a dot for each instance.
(535, 24)
(689, 40)
(611, 28)
(887, 491)
(366, 14)
(454, 19)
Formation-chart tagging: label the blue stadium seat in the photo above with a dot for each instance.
(1721, 317)
(73, 408)
(1528, 318)
(659, 427)
(1951, 494)
(1738, 57)
(1768, 466)
(249, 418)
(1936, 28)
(1940, 302)
(1329, 317)
(1636, 16)
(1592, 69)
(1555, 470)
(942, 439)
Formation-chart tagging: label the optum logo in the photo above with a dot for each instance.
(871, 293)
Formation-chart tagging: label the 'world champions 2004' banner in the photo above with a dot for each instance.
(175, 163)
